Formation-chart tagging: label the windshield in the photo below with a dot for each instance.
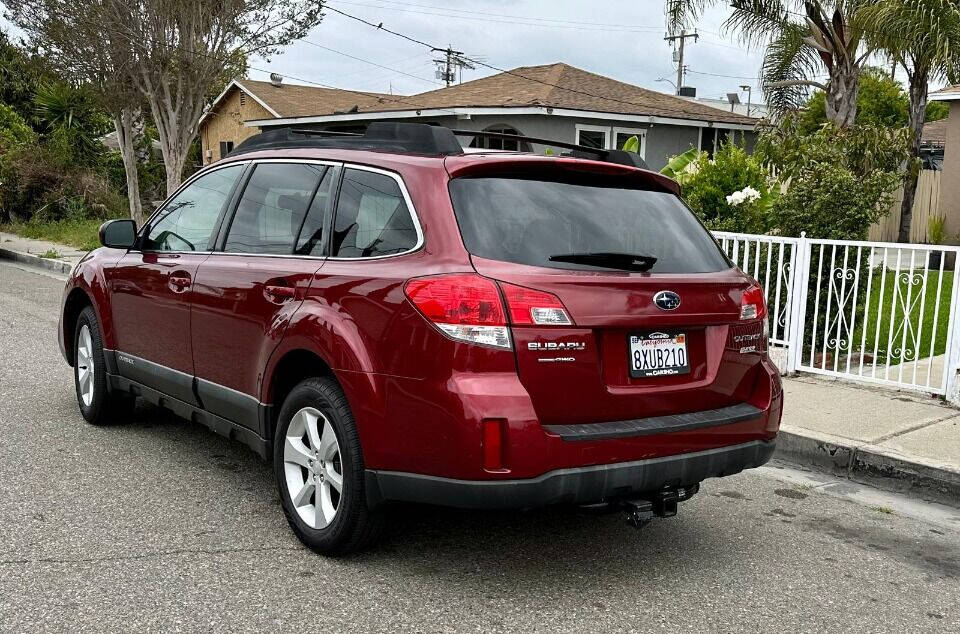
(582, 223)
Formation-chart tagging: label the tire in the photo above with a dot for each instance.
(315, 446)
(97, 405)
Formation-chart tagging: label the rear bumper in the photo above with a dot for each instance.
(580, 485)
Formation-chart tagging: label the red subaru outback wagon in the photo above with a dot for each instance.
(391, 319)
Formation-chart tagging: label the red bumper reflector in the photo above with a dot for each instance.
(493, 444)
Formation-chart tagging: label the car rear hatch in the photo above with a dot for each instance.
(658, 324)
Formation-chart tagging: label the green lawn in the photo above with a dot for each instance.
(921, 321)
(81, 234)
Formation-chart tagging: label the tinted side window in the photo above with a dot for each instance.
(187, 222)
(272, 208)
(372, 217)
(311, 240)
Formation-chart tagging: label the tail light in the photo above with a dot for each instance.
(752, 305)
(529, 307)
(466, 307)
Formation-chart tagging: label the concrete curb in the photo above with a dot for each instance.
(58, 266)
(872, 465)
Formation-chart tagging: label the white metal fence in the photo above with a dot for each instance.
(876, 312)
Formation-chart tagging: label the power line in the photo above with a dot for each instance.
(134, 42)
(367, 61)
(529, 20)
(380, 27)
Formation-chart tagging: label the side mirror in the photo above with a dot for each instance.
(118, 234)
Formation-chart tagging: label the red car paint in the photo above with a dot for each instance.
(420, 399)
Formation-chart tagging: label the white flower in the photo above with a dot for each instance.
(692, 167)
(747, 194)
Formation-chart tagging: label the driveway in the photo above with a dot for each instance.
(160, 524)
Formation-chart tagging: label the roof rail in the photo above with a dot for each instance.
(418, 138)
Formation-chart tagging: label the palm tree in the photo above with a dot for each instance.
(924, 37)
(804, 40)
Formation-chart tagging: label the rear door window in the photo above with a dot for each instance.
(372, 217)
(531, 220)
(273, 207)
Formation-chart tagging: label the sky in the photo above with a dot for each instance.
(617, 38)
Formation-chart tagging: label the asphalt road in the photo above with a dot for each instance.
(161, 525)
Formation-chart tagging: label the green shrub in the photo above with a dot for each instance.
(36, 186)
(14, 131)
(830, 201)
(730, 192)
(838, 181)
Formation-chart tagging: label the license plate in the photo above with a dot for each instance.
(658, 354)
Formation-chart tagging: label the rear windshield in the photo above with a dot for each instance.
(526, 221)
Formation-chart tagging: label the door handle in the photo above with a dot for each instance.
(179, 283)
(280, 294)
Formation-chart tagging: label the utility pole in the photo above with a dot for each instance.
(678, 55)
(447, 65)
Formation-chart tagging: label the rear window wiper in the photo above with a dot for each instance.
(624, 261)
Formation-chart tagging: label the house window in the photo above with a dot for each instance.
(620, 136)
(243, 98)
(225, 148)
(593, 136)
(512, 145)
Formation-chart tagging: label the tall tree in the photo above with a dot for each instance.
(803, 39)
(71, 35)
(179, 49)
(924, 37)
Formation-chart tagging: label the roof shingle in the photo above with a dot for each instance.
(553, 85)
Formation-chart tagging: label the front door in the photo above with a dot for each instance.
(247, 290)
(151, 287)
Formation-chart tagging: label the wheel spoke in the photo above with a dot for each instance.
(302, 498)
(325, 508)
(328, 442)
(335, 479)
(296, 452)
(313, 434)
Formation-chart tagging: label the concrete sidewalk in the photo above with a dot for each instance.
(28, 251)
(900, 440)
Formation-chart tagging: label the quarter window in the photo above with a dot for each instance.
(272, 208)
(372, 217)
(186, 223)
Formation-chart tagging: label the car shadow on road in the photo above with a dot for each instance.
(559, 544)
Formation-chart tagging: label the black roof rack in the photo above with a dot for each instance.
(418, 138)
(580, 151)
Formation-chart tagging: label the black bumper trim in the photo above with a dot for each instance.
(581, 485)
(656, 424)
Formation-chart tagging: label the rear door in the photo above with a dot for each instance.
(651, 297)
(257, 277)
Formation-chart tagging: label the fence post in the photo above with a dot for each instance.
(800, 271)
(951, 362)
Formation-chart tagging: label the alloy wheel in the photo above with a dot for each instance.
(312, 467)
(85, 366)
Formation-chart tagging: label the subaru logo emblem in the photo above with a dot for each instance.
(667, 300)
